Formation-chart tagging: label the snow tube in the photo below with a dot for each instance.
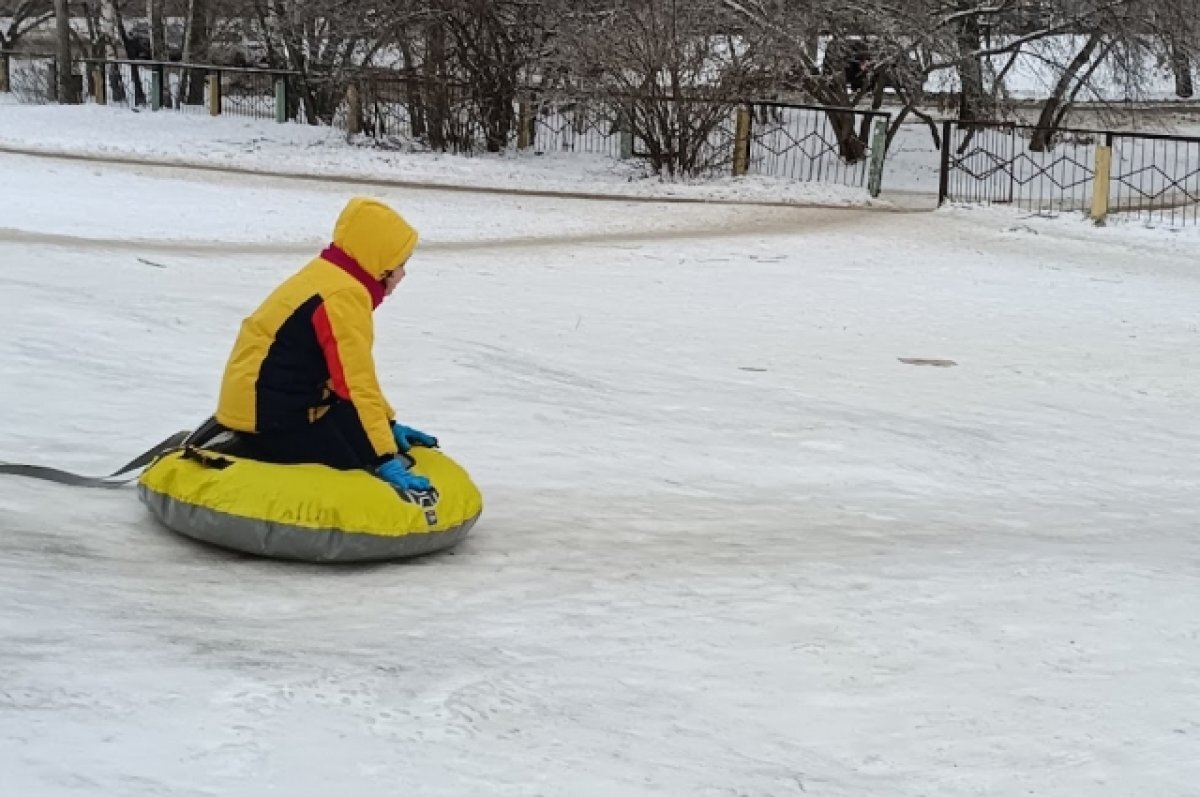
(310, 513)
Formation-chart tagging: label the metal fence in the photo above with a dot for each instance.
(699, 137)
(993, 163)
(28, 77)
(572, 124)
(806, 143)
(1155, 177)
(187, 88)
(1146, 176)
(812, 143)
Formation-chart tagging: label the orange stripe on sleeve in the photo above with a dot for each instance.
(329, 346)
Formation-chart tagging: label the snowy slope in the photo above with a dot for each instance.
(731, 544)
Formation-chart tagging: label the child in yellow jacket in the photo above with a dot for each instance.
(300, 384)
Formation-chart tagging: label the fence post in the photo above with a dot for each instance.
(1102, 182)
(99, 85)
(156, 87)
(5, 71)
(878, 152)
(214, 93)
(52, 77)
(281, 99)
(353, 110)
(741, 141)
(944, 176)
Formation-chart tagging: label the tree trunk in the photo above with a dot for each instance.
(412, 89)
(1181, 65)
(158, 37)
(437, 101)
(158, 44)
(497, 106)
(65, 87)
(972, 96)
(195, 49)
(1049, 119)
(113, 27)
(832, 92)
(825, 91)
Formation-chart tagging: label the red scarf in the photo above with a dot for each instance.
(338, 257)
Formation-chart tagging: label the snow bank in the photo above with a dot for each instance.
(260, 145)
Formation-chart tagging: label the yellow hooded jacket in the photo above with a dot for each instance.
(311, 339)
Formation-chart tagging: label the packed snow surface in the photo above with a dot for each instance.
(778, 501)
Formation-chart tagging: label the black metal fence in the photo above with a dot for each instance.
(1147, 176)
(1155, 177)
(993, 164)
(807, 143)
(187, 88)
(693, 137)
(578, 124)
(813, 143)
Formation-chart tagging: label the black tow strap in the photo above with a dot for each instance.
(115, 479)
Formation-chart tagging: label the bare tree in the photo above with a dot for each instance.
(113, 39)
(492, 42)
(20, 17)
(326, 42)
(196, 38)
(674, 68)
(785, 29)
(1174, 28)
(66, 88)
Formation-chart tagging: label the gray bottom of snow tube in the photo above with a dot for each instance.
(283, 541)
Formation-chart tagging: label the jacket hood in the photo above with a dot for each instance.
(377, 237)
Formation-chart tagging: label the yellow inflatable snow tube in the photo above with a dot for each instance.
(310, 513)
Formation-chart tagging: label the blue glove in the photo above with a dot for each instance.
(407, 437)
(394, 473)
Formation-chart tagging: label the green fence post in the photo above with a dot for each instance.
(280, 100)
(878, 152)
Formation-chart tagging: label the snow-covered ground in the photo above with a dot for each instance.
(261, 145)
(732, 544)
